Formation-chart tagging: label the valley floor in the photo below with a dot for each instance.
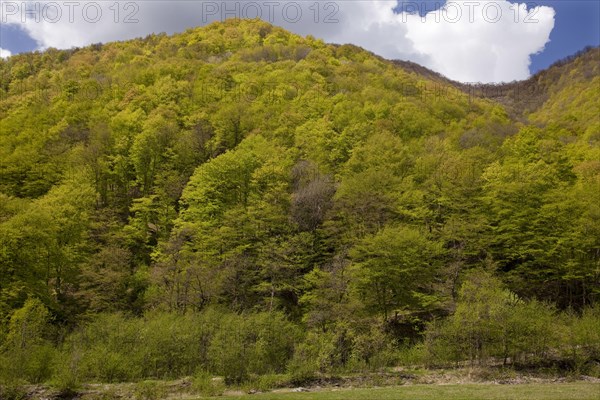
(489, 391)
(455, 384)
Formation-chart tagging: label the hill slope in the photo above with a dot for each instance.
(244, 166)
(554, 88)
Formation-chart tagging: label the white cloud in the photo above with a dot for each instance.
(487, 41)
(4, 53)
(492, 43)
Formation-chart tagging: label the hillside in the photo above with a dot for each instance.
(240, 177)
(573, 77)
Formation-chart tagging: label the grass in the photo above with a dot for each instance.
(417, 384)
(545, 391)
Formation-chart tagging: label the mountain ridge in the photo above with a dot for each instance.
(505, 92)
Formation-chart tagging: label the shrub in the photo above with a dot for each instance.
(150, 390)
(204, 384)
(114, 348)
(581, 339)
(412, 355)
(13, 390)
(28, 325)
(173, 345)
(27, 352)
(36, 362)
(372, 348)
(264, 383)
(490, 322)
(312, 356)
(529, 331)
(108, 348)
(252, 344)
(65, 375)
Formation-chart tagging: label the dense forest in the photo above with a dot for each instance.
(240, 201)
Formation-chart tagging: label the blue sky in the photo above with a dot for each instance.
(576, 25)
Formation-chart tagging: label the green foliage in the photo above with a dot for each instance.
(27, 352)
(267, 382)
(12, 390)
(373, 349)
(243, 201)
(150, 390)
(491, 322)
(114, 348)
(384, 263)
(66, 376)
(582, 338)
(205, 384)
(253, 344)
(312, 356)
(538, 211)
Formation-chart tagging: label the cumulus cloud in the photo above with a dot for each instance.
(470, 41)
(490, 41)
(4, 53)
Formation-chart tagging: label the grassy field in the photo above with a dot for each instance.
(546, 391)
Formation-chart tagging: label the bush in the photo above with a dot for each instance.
(312, 356)
(150, 390)
(33, 363)
(13, 390)
(252, 344)
(27, 352)
(204, 384)
(106, 349)
(65, 375)
(443, 344)
(581, 338)
(490, 322)
(174, 345)
(529, 332)
(372, 349)
(113, 348)
(412, 355)
(264, 383)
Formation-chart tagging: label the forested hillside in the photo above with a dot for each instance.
(240, 200)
